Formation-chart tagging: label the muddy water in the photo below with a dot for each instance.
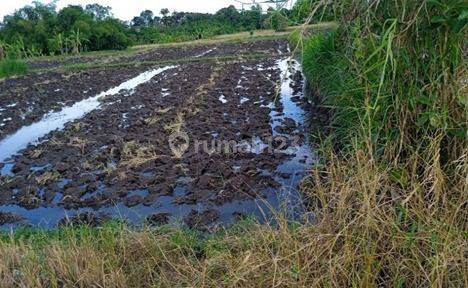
(286, 199)
(287, 174)
(56, 120)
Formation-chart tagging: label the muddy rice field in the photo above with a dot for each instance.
(201, 143)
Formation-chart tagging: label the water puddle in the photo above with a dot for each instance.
(205, 53)
(57, 120)
(165, 92)
(243, 100)
(222, 99)
(287, 198)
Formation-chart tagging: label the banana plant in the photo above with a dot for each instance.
(60, 43)
(3, 49)
(77, 40)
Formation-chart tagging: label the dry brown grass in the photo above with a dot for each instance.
(191, 103)
(136, 154)
(370, 231)
(47, 177)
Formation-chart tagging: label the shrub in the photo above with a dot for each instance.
(278, 21)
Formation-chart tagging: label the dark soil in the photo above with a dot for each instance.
(169, 53)
(89, 219)
(121, 154)
(9, 218)
(158, 219)
(201, 220)
(26, 99)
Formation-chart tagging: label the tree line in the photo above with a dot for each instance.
(40, 29)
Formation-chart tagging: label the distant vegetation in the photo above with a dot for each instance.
(39, 29)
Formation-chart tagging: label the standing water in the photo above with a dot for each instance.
(286, 199)
(57, 120)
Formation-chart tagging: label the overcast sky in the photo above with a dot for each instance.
(125, 9)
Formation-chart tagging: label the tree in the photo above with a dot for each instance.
(277, 21)
(58, 44)
(109, 34)
(156, 20)
(252, 19)
(67, 17)
(99, 12)
(147, 17)
(137, 21)
(164, 12)
(229, 14)
(39, 29)
(76, 41)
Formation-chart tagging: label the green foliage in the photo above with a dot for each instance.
(39, 29)
(304, 9)
(391, 77)
(108, 35)
(278, 21)
(10, 67)
(9, 59)
(182, 26)
(330, 74)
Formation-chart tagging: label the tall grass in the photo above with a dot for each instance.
(390, 203)
(391, 76)
(394, 77)
(10, 67)
(9, 60)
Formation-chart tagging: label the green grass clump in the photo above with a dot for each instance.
(393, 77)
(328, 71)
(10, 67)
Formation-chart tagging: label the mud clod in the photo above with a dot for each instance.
(158, 219)
(201, 220)
(9, 218)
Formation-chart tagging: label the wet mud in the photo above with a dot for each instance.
(26, 99)
(205, 142)
(269, 47)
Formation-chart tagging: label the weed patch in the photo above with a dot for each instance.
(11, 67)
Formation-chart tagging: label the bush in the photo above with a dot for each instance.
(278, 21)
(10, 67)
